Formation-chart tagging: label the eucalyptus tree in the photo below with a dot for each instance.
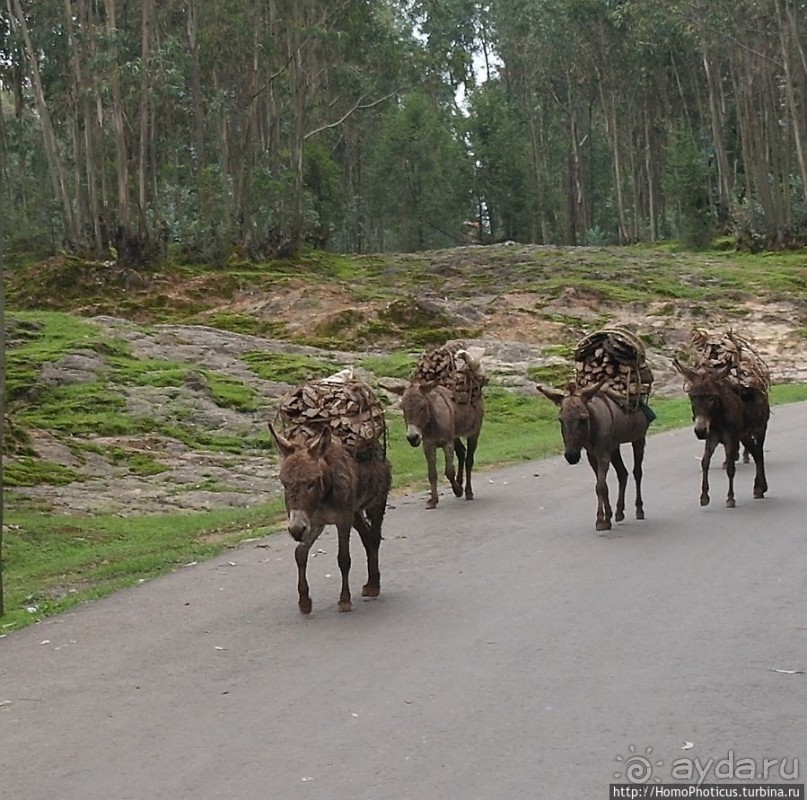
(28, 45)
(499, 143)
(421, 176)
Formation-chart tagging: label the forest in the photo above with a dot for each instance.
(202, 131)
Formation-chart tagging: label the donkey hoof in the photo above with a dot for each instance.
(730, 503)
(305, 605)
(603, 525)
(431, 502)
(619, 516)
(469, 495)
(704, 499)
(370, 591)
(639, 513)
(345, 605)
(457, 489)
(759, 494)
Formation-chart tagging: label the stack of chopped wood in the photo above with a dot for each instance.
(454, 366)
(718, 351)
(617, 357)
(348, 406)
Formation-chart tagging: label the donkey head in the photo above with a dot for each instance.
(417, 409)
(704, 390)
(305, 477)
(574, 416)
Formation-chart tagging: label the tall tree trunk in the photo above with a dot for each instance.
(788, 35)
(196, 86)
(55, 166)
(124, 213)
(147, 34)
(88, 222)
(717, 117)
(580, 224)
(608, 100)
(649, 165)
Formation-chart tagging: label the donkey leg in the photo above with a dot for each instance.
(708, 449)
(600, 467)
(622, 482)
(757, 448)
(638, 458)
(450, 472)
(371, 539)
(343, 559)
(732, 454)
(430, 451)
(301, 557)
(469, 465)
(460, 450)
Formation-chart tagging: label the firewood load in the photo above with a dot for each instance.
(346, 404)
(747, 370)
(454, 366)
(617, 358)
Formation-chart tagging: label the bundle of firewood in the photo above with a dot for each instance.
(348, 406)
(616, 358)
(729, 349)
(454, 366)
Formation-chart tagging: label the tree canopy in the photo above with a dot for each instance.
(134, 129)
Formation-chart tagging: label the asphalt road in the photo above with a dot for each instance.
(514, 652)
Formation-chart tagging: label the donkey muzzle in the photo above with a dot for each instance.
(298, 525)
(413, 436)
(572, 456)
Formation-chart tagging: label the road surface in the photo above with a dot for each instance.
(514, 652)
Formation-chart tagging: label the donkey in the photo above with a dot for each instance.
(324, 484)
(731, 415)
(591, 419)
(434, 419)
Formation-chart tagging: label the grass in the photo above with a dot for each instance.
(56, 561)
(288, 368)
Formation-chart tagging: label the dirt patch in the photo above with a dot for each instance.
(519, 329)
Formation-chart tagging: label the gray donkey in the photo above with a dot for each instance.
(593, 420)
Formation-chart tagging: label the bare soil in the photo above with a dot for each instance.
(515, 338)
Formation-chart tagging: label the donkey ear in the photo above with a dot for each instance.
(551, 393)
(284, 446)
(320, 445)
(685, 371)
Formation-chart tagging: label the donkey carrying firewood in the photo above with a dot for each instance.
(593, 419)
(434, 419)
(325, 484)
(727, 413)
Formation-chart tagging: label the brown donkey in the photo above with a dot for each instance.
(324, 484)
(731, 415)
(592, 420)
(434, 419)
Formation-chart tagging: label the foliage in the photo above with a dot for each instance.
(421, 177)
(396, 122)
(686, 181)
